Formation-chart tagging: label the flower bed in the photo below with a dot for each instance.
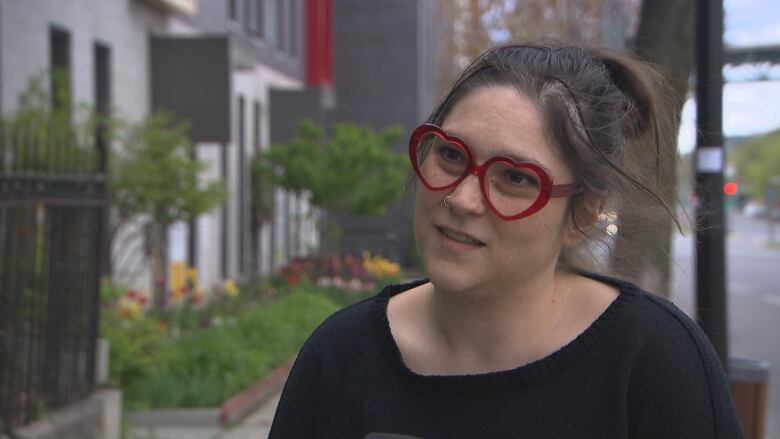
(198, 353)
(202, 366)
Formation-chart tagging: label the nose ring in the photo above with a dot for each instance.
(446, 204)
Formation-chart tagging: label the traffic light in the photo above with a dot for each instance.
(730, 188)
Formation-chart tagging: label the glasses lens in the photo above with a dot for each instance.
(440, 162)
(511, 189)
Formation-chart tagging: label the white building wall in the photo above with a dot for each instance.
(124, 26)
(209, 225)
(121, 25)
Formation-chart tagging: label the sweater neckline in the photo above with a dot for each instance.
(528, 374)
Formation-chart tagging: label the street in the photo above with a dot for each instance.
(753, 295)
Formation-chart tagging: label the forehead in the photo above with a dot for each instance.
(497, 120)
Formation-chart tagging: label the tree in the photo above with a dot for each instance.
(664, 38)
(354, 171)
(479, 24)
(757, 162)
(153, 179)
(51, 138)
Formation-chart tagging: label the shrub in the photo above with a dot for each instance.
(208, 365)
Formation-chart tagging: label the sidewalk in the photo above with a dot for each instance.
(202, 424)
(255, 426)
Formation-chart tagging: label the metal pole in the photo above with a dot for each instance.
(710, 218)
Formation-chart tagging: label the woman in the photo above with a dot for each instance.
(509, 337)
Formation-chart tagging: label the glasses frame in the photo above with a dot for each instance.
(548, 189)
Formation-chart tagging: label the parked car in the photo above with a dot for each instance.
(754, 209)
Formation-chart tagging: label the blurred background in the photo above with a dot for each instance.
(188, 187)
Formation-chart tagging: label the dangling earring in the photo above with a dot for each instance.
(610, 218)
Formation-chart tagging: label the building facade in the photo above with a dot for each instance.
(213, 63)
(243, 73)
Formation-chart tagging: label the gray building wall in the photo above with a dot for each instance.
(212, 18)
(384, 58)
(180, 68)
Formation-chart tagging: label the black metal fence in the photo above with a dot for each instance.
(52, 210)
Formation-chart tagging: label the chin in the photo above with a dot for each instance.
(451, 277)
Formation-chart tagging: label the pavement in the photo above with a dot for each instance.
(255, 426)
(202, 424)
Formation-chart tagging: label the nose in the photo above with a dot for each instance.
(467, 197)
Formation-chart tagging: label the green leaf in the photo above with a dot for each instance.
(355, 171)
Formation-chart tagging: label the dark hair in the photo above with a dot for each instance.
(605, 112)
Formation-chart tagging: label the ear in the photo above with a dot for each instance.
(583, 214)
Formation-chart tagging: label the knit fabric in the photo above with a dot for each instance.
(643, 369)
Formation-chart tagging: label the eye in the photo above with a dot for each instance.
(450, 153)
(520, 178)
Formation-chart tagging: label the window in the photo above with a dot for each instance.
(251, 17)
(59, 46)
(293, 28)
(102, 61)
(271, 28)
(232, 9)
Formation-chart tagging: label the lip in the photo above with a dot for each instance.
(459, 245)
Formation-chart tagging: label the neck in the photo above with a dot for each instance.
(481, 328)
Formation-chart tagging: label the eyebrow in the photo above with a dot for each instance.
(505, 153)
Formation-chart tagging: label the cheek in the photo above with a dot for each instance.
(543, 230)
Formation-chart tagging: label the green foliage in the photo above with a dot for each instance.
(206, 364)
(757, 162)
(354, 172)
(44, 134)
(155, 174)
(138, 348)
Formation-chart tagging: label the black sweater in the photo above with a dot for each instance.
(643, 369)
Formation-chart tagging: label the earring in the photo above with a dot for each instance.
(611, 218)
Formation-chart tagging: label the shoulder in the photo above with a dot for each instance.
(676, 384)
(651, 322)
(668, 332)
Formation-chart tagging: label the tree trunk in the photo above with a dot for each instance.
(159, 257)
(664, 38)
(330, 233)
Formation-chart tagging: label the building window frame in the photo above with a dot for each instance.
(60, 62)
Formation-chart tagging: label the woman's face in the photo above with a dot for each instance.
(492, 120)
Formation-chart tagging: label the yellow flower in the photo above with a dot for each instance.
(380, 267)
(230, 288)
(192, 275)
(129, 308)
(177, 275)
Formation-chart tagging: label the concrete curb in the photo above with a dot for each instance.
(249, 400)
